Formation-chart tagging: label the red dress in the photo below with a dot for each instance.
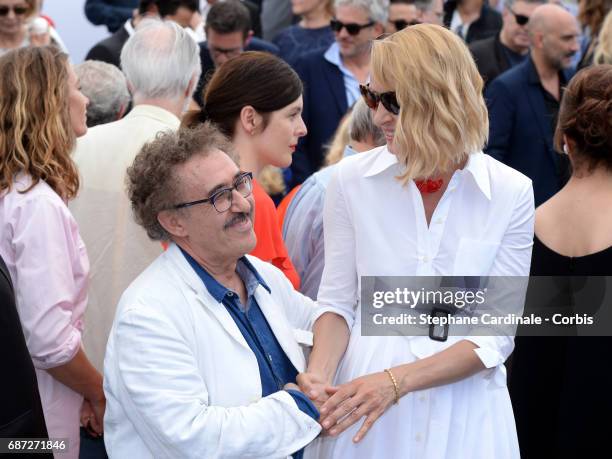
(270, 246)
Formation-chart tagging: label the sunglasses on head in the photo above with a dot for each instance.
(18, 10)
(352, 29)
(402, 23)
(520, 19)
(372, 99)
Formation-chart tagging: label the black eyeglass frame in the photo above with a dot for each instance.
(19, 10)
(520, 19)
(401, 24)
(212, 198)
(352, 28)
(388, 99)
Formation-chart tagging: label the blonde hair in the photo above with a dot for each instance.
(271, 180)
(603, 51)
(36, 134)
(341, 139)
(443, 116)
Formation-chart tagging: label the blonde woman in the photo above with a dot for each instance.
(428, 203)
(43, 111)
(603, 51)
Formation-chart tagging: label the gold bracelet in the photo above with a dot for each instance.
(395, 386)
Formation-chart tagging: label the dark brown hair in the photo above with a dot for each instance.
(586, 116)
(36, 134)
(253, 78)
(591, 13)
(229, 17)
(151, 181)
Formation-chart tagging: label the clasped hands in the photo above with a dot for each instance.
(342, 406)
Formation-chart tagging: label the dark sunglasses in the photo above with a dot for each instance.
(372, 99)
(402, 23)
(352, 29)
(18, 10)
(520, 19)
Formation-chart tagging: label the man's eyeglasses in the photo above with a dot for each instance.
(18, 10)
(372, 99)
(402, 23)
(352, 29)
(222, 199)
(229, 52)
(520, 19)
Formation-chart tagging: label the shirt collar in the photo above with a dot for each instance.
(158, 113)
(332, 55)
(129, 28)
(475, 165)
(384, 159)
(244, 268)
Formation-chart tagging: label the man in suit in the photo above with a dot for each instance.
(495, 55)
(524, 102)
(331, 79)
(228, 33)
(162, 67)
(179, 11)
(472, 20)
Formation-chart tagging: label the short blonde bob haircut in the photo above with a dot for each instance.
(36, 134)
(443, 116)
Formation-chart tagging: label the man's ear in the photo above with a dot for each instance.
(191, 86)
(171, 221)
(248, 38)
(379, 29)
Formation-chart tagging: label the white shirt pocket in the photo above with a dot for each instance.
(474, 257)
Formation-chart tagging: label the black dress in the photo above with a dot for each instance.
(561, 387)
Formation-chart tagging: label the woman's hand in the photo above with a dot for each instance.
(368, 396)
(89, 419)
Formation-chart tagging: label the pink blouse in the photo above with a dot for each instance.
(48, 264)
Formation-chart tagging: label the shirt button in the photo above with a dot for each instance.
(230, 294)
(422, 398)
(426, 259)
(418, 437)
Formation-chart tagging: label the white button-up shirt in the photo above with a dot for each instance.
(375, 226)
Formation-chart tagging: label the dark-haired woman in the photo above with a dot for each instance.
(256, 100)
(560, 386)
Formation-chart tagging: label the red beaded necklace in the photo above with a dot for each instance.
(429, 185)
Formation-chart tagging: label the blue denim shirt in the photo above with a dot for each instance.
(275, 368)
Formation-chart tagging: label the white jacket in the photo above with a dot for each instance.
(181, 381)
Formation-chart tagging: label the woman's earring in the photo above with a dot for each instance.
(565, 149)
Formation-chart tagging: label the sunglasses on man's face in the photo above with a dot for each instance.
(372, 99)
(520, 19)
(402, 23)
(18, 10)
(352, 29)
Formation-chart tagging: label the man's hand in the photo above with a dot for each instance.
(315, 387)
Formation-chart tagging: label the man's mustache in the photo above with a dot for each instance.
(239, 217)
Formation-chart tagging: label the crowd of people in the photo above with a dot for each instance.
(188, 217)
